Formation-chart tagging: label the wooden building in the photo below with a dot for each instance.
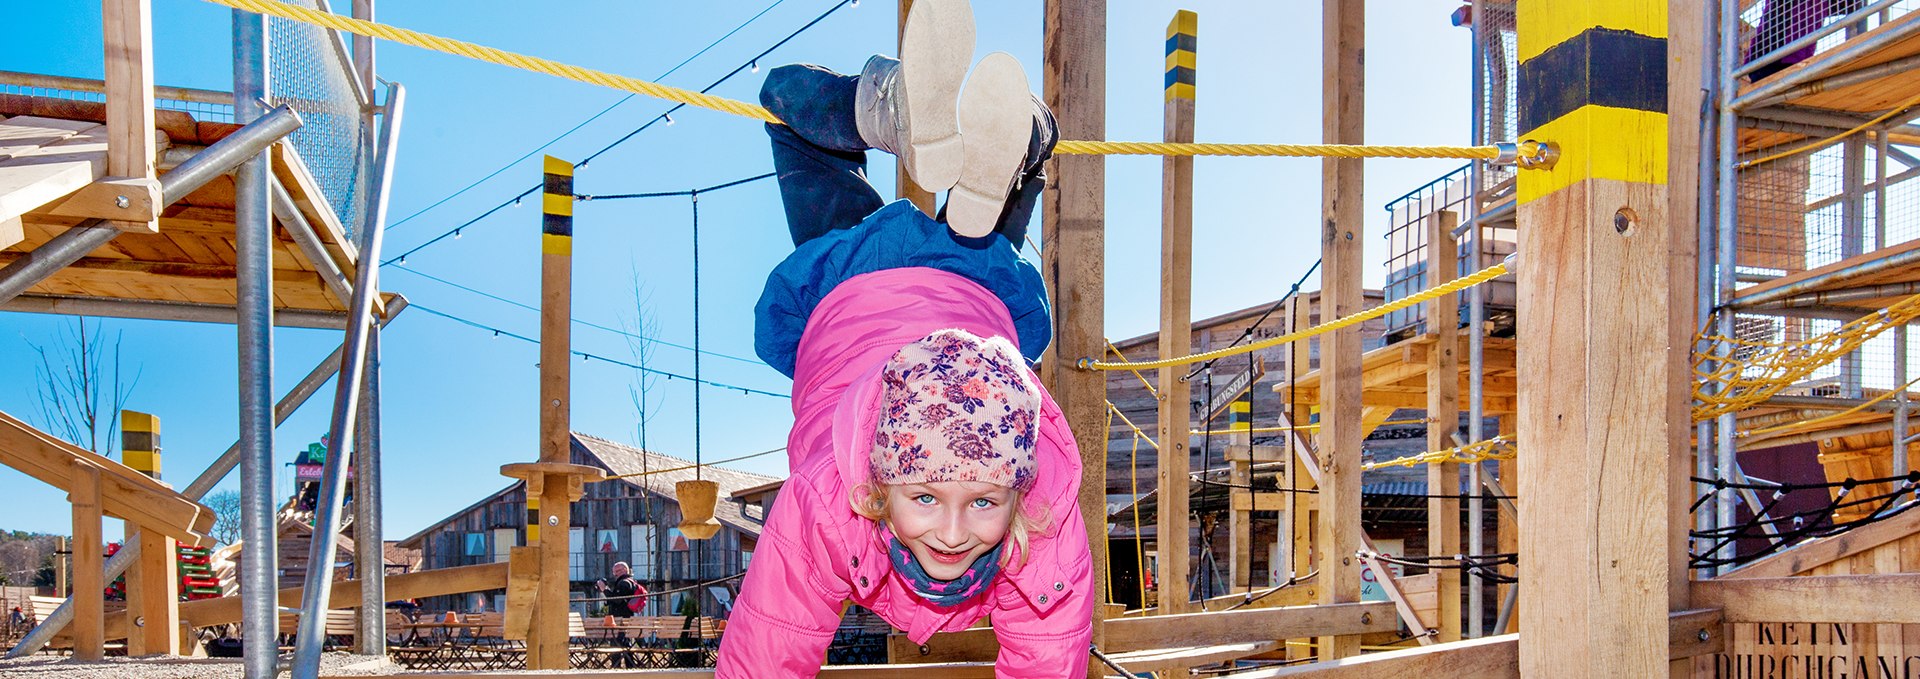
(631, 519)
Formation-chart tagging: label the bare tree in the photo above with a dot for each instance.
(226, 515)
(640, 333)
(79, 400)
(26, 559)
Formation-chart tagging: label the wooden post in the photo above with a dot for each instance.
(153, 588)
(1176, 321)
(1074, 258)
(1507, 527)
(131, 149)
(89, 585)
(1443, 418)
(1302, 506)
(1686, 50)
(903, 185)
(1597, 338)
(547, 645)
(1343, 37)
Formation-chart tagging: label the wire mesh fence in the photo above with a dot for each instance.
(308, 69)
(1781, 33)
(200, 110)
(1406, 238)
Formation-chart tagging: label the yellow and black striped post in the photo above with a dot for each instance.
(547, 502)
(1183, 33)
(1176, 321)
(153, 587)
(1240, 416)
(1596, 270)
(140, 442)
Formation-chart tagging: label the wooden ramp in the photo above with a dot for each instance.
(124, 493)
(47, 161)
(1396, 376)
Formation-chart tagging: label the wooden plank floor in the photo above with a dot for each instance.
(190, 260)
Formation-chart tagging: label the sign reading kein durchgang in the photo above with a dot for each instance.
(1811, 651)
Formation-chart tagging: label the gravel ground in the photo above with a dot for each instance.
(62, 667)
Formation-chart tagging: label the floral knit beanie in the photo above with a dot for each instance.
(956, 407)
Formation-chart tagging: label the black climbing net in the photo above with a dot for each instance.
(1788, 529)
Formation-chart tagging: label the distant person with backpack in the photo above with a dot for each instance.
(625, 596)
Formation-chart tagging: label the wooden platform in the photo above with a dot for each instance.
(1396, 376)
(1907, 274)
(43, 160)
(1865, 99)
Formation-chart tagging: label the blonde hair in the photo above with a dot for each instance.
(870, 500)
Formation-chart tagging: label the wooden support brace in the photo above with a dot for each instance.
(123, 200)
(523, 580)
(131, 147)
(89, 586)
(153, 595)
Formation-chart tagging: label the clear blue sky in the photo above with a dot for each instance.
(460, 402)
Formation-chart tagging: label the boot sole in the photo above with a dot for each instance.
(935, 48)
(996, 119)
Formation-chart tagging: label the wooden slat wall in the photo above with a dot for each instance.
(1830, 650)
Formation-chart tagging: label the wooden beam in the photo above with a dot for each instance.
(1695, 632)
(153, 591)
(1685, 53)
(1299, 518)
(124, 493)
(121, 200)
(89, 585)
(1176, 329)
(1343, 233)
(1484, 658)
(1266, 624)
(131, 150)
(1247, 501)
(12, 230)
(1443, 419)
(1820, 598)
(1594, 290)
(1073, 260)
(38, 176)
(345, 594)
(1179, 660)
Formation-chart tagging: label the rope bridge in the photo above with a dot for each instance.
(1528, 153)
(1733, 374)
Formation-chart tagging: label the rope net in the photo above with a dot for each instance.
(1732, 374)
(1528, 152)
(1712, 546)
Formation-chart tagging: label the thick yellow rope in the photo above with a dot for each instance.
(1115, 410)
(1423, 296)
(1297, 427)
(1155, 393)
(740, 108)
(1496, 448)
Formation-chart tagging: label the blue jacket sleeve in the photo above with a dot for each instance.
(896, 236)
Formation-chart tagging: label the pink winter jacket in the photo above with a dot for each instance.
(815, 554)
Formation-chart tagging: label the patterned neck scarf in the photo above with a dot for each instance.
(943, 593)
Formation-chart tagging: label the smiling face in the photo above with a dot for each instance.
(948, 524)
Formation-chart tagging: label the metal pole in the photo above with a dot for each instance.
(1476, 318)
(346, 401)
(82, 238)
(1705, 240)
(1724, 247)
(368, 503)
(369, 556)
(253, 247)
(210, 477)
(1853, 234)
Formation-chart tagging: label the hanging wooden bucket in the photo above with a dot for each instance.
(696, 500)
